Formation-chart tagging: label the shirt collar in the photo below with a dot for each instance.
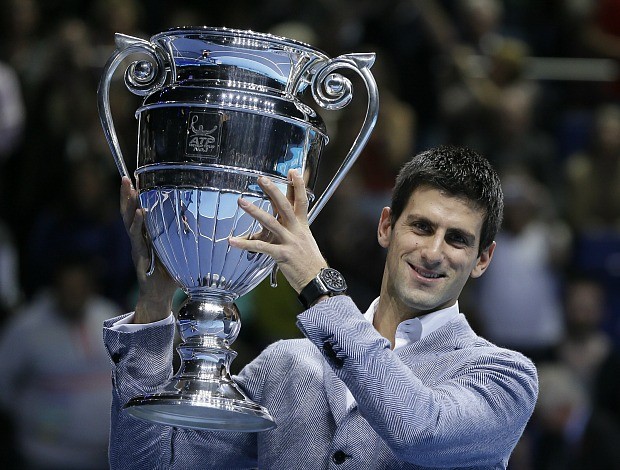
(414, 329)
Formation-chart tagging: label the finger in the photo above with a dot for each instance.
(290, 190)
(129, 202)
(255, 246)
(300, 202)
(280, 203)
(262, 234)
(267, 220)
(136, 233)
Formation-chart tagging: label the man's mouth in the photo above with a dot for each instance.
(426, 273)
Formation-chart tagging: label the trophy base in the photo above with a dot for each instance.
(202, 394)
(202, 413)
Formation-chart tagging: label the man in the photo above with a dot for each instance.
(407, 385)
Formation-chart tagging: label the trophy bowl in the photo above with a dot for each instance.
(221, 108)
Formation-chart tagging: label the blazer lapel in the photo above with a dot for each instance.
(456, 334)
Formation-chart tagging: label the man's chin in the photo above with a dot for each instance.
(421, 305)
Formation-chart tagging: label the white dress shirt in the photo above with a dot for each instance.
(126, 324)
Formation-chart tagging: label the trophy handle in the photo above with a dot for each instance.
(334, 91)
(141, 78)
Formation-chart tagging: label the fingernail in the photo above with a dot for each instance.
(264, 180)
(243, 202)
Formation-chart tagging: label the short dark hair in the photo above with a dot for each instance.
(459, 171)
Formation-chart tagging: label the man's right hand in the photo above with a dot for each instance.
(157, 289)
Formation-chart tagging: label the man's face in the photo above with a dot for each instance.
(432, 251)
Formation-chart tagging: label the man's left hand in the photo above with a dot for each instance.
(286, 237)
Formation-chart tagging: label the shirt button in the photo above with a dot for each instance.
(339, 457)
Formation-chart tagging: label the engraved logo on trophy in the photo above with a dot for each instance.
(203, 135)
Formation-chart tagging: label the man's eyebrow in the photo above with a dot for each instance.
(412, 219)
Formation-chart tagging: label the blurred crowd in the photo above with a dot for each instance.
(534, 86)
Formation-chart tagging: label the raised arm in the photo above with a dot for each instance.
(156, 288)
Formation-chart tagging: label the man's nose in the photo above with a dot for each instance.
(432, 251)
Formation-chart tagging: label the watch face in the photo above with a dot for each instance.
(333, 280)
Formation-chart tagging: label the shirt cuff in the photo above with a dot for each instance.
(126, 325)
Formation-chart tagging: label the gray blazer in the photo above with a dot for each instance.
(450, 400)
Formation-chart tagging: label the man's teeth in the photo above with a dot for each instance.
(428, 275)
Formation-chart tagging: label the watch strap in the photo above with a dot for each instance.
(309, 294)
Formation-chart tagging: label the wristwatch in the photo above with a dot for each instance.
(327, 282)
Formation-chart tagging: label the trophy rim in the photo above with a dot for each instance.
(244, 33)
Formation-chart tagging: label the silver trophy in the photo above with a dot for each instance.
(222, 107)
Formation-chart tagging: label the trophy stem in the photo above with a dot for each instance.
(202, 394)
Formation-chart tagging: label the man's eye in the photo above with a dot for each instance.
(458, 240)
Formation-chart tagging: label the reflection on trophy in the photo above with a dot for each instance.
(222, 107)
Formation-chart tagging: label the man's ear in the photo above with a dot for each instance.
(384, 231)
(483, 261)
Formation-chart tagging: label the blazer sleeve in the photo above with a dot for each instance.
(142, 362)
(471, 414)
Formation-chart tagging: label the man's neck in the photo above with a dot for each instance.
(388, 316)
(385, 326)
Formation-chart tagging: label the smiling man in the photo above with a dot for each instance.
(407, 385)
(433, 248)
